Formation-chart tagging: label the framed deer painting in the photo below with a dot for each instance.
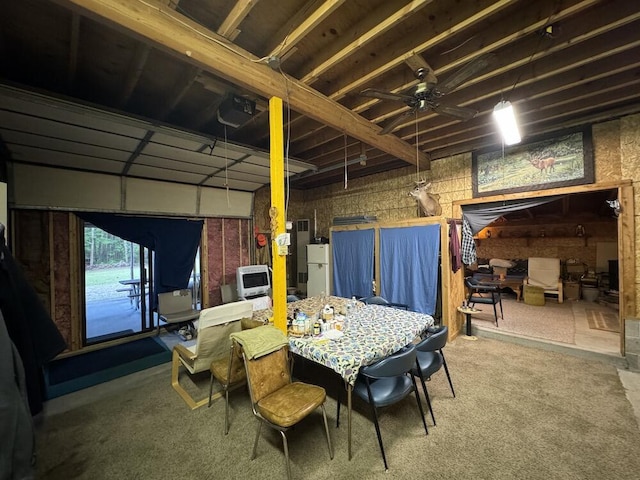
(557, 160)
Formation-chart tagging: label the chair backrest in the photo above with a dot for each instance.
(268, 373)
(435, 341)
(215, 324)
(375, 300)
(176, 301)
(392, 366)
(544, 272)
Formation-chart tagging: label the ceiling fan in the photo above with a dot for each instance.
(427, 94)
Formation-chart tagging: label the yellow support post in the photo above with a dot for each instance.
(277, 213)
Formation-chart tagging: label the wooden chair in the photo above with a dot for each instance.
(214, 327)
(545, 273)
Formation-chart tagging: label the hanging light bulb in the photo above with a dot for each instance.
(505, 118)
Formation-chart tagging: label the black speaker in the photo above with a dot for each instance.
(235, 111)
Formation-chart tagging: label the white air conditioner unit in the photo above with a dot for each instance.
(303, 237)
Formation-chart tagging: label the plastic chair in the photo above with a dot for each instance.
(275, 399)
(486, 294)
(387, 382)
(430, 359)
(377, 300)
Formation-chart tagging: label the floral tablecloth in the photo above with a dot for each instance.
(373, 332)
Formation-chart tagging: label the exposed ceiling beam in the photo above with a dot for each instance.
(74, 36)
(135, 70)
(305, 23)
(382, 26)
(610, 21)
(229, 27)
(198, 46)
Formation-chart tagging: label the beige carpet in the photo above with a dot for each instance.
(552, 321)
(519, 413)
(603, 320)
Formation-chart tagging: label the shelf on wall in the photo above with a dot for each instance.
(528, 240)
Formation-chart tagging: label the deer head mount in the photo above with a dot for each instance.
(429, 202)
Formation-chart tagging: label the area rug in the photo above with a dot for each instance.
(81, 371)
(603, 321)
(552, 321)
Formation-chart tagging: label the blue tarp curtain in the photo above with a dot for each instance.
(353, 263)
(409, 259)
(174, 241)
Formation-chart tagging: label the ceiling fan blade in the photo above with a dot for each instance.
(396, 121)
(466, 72)
(384, 95)
(462, 113)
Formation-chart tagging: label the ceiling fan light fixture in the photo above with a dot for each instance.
(505, 118)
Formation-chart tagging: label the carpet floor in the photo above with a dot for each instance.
(519, 413)
(552, 321)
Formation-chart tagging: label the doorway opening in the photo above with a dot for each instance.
(117, 285)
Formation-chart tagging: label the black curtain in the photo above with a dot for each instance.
(174, 241)
(476, 217)
(30, 328)
(481, 215)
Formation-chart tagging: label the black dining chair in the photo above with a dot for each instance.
(430, 359)
(386, 382)
(483, 293)
(378, 300)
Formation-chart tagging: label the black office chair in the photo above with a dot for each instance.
(387, 382)
(377, 300)
(484, 294)
(430, 359)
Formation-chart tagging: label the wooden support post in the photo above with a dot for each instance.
(277, 213)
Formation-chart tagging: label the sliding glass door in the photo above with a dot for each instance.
(117, 276)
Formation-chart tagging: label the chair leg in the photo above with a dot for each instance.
(226, 409)
(426, 396)
(338, 408)
(286, 454)
(446, 369)
(255, 443)
(375, 422)
(210, 391)
(326, 429)
(415, 389)
(495, 313)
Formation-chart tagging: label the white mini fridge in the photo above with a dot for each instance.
(318, 269)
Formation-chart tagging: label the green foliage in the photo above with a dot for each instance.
(103, 249)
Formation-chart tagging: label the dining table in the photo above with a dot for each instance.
(370, 333)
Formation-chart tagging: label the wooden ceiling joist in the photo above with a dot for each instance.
(174, 33)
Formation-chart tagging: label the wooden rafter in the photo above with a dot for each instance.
(301, 25)
(74, 39)
(180, 36)
(382, 26)
(229, 27)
